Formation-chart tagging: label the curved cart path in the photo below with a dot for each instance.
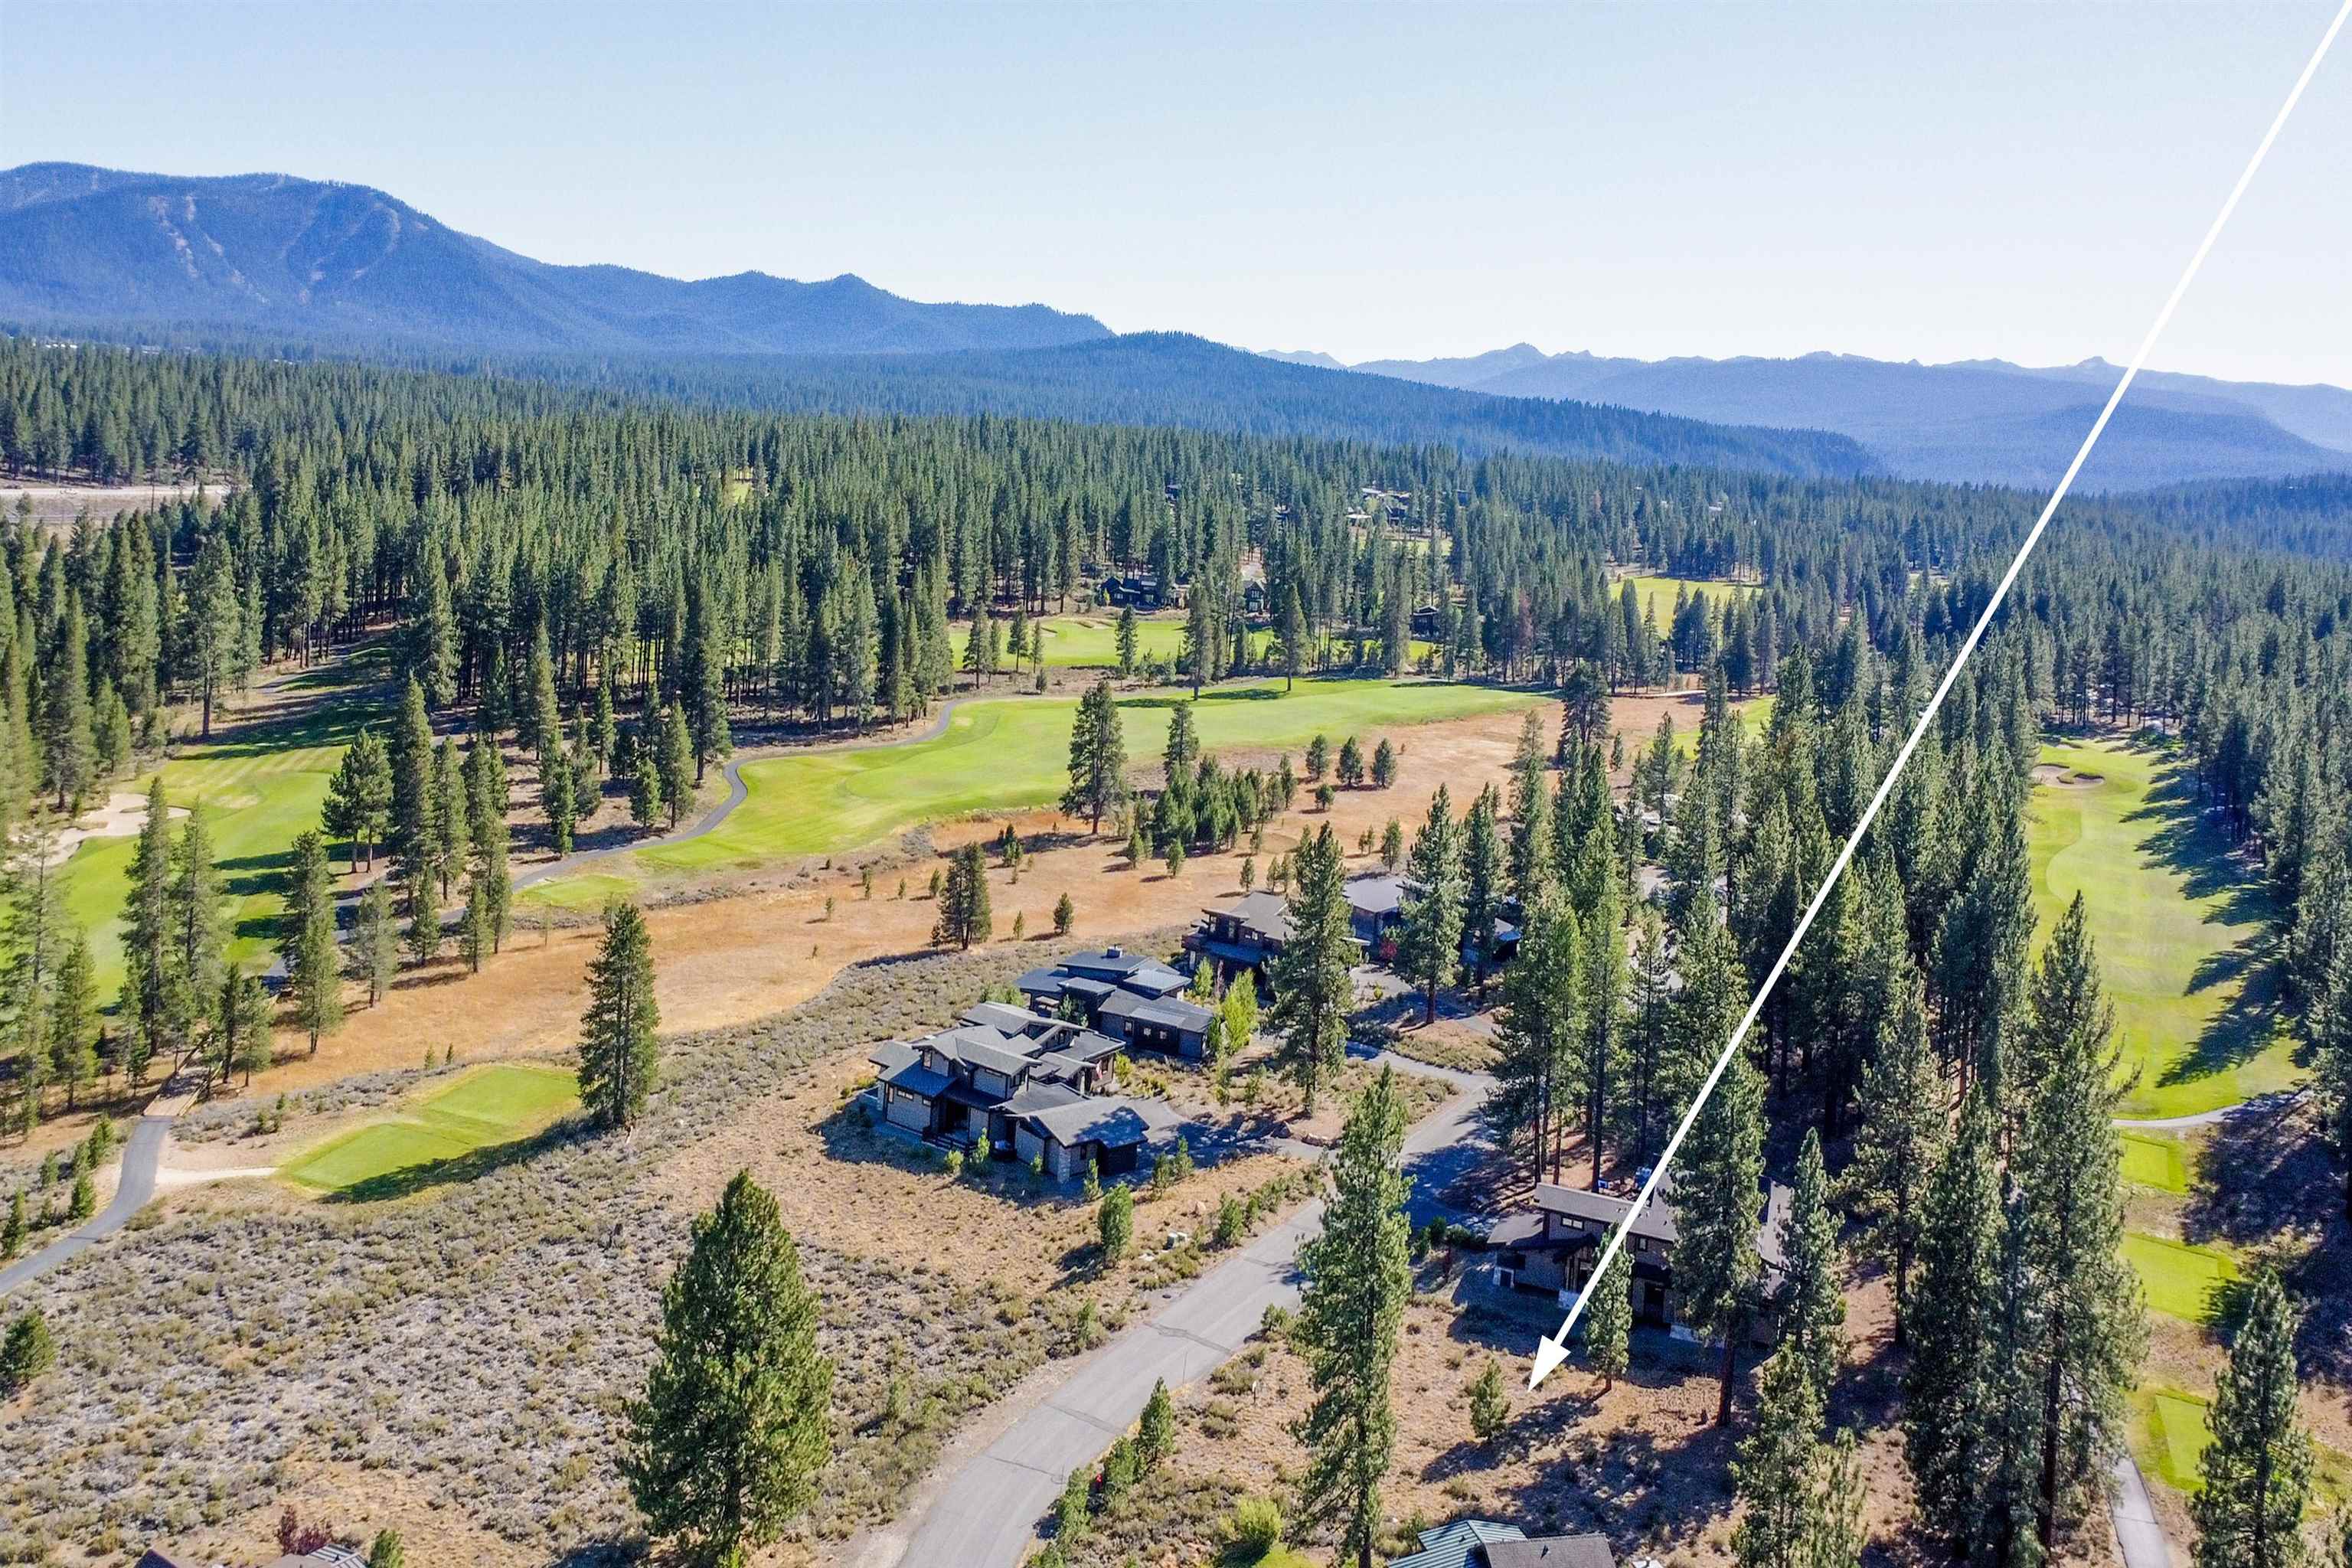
(143, 1155)
(738, 792)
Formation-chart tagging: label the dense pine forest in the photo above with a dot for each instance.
(601, 577)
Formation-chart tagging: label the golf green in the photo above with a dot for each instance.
(492, 1105)
(2175, 920)
(1013, 754)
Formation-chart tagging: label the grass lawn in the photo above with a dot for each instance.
(1091, 641)
(2173, 1427)
(490, 1105)
(2175, 920)
(1657, 594)
(2156, 1159)
(2181, 1280)
(259, 789)
(2172, 1431)
(1014, 754)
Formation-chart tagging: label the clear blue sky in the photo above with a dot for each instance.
(1909, 181)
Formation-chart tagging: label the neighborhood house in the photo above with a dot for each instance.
(1006, 1081)
(1136, 1001)
(1553, 1248)
(1483, 1543)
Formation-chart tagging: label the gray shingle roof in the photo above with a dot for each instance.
(1111, 1120)
(1453, 1545)
(1553, 1552)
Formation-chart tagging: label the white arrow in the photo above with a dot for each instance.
(1551, 1352)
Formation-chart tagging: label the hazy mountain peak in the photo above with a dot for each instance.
(283, 255)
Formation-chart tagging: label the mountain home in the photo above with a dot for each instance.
(1242, 937)
(970, 1086)
(1483, 1543)
(1137, 1001)
(1553, 1248)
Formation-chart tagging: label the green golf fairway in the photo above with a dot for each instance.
(259, 790)
(1657, 594)
(490, 1105)
(2168, 911)
(1014, 754)
(2181, 1280)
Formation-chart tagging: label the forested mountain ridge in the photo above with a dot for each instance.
(1982, 421)
(272, 266)
(348, 265)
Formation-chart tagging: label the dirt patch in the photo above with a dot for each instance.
(58, 505)
(769, 944)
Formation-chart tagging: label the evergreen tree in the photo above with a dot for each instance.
(1535, 1037)
(619, 1054)
(1098, 758)
(1608, 1320)
(964, 916)
(1899, 1142)
(1810, 1302)
(306, 942)
(240, 1025)
(375, 940)
(677, 764)
(735, 1422)
(199, 917)
(1358, 1277)
(1429, 950)
(68, 745)
(1314, 985)
(2069, 1161)
(73, 1016)
(1717, 1196)
(359, 798)
(147, 923)
(490, 888)
(1483, 874)
(1944, 1396)
(1775, 1473)
(2257, 1469)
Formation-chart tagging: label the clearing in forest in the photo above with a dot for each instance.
(1014, 754)
(490, 1108)
(261, 785)
(1657, 594)
(2179, 925)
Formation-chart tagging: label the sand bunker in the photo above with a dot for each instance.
(123, 815)
(2052, 774)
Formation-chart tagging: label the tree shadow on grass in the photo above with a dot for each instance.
(459, 1169)
(2182, 838)
(2247, 1024)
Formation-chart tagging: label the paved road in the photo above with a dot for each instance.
(2274, 1104)
(985, 1514)
(140, 1157)
(2139, 1540)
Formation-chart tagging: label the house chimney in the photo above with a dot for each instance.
(1114, 952)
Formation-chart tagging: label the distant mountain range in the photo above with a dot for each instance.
(1976, 420)
(312, 260)
(269, 263)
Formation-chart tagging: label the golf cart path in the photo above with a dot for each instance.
(142, 1156)
(984, 1512)
(738, 792)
